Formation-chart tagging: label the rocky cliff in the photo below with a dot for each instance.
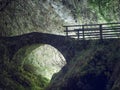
(96, 67)
(24, 16)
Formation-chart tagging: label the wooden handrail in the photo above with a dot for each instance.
(91, 24)
(91, 30)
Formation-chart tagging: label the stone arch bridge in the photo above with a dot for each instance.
(65, 45)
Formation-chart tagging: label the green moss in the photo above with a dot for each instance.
(22, 80)
(15, 78)
(107, 9)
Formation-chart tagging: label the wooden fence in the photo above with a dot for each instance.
(93, 31)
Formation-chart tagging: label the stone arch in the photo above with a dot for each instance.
(65, 46)
(40, 59)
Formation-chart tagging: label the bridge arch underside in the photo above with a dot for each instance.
(40, 59)
(35, 53)
(63, 45)
(23, 48)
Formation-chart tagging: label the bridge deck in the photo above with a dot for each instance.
(93, 31)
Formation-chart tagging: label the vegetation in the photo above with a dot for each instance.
(13, 77)
(108, 9)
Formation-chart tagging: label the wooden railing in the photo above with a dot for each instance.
(93, 31)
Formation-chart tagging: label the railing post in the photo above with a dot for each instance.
(66, 31)
(83, 32)
(101, 36)
(78, 34)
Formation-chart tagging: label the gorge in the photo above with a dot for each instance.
(36, 55)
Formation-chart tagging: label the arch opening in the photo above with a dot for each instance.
(39, 59)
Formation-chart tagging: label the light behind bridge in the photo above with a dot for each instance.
(40, 59)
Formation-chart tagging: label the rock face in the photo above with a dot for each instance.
(94, 68)
(24, 16)
(19, 17)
